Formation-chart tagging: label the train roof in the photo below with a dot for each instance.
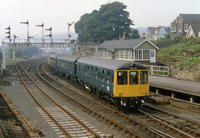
(111, 64)
(67, 57)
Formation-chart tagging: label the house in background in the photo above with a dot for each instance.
(193, 31)
(160, 32)
(156, 33)
(180, 25)
(139, 50)
(150, 31)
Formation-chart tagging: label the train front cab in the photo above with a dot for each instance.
(131, 86)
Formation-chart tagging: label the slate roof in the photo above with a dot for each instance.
(123, 44)
(174, 21)
(196, 29)
(191, 17)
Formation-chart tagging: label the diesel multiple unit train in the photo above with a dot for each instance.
(124, 84)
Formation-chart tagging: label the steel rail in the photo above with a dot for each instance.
(178, 116)
(23, 121)
(191, 132)
(64, 131)
(181, 133)
(81, 123)
(152, 130)
(126, 130)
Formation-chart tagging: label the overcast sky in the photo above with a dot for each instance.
(57, 13)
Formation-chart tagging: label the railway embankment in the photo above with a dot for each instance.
(191, 73)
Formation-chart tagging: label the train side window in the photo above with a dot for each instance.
(99, 74)
(95, 73)
(122, 77)
(108, 77)
(102, 76)
(92, 70)
(143, 77)
(133, 77)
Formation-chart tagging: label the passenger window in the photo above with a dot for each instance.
(133, 77)
(122, 77)
(108, 77)
(96, 73)
(143, 77)
(102, 76)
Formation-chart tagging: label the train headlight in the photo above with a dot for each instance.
(124, 104)
(121, 93)
(142, 101)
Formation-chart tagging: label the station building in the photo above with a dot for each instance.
(139, 50)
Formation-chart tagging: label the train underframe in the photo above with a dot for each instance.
(122, 103)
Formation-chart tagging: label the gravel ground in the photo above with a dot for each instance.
(28, 108)
(17, 93)
(24, 103)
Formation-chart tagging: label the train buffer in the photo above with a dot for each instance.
(157, 98)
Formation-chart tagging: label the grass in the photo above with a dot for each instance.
(189, 52)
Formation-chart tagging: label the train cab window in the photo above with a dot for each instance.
(143, 77)
(122, 77)
(133, 77)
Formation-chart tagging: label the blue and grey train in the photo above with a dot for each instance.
(122, 83)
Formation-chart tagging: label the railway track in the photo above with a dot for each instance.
(129, 125)
(183, 126)
(110, 109)
(57, 113)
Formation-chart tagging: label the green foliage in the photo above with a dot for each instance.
(134, 34)
(107, 23)
(0, 56)
(189, 62)
(177, 37)
(187, 48)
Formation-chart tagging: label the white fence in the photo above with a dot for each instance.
(159, 70)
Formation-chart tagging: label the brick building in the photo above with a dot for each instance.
(180, 25)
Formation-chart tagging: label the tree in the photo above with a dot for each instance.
(107, 23)
(134, 34)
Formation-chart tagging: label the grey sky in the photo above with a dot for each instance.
(57, 13)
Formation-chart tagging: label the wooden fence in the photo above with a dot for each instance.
(159, 70)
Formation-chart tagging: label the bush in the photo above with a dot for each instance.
(189, 62)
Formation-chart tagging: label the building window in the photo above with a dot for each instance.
(146, 54)
(138, 54)
(103, 54)
(123, 54)
(185, 27)
(142, 54)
